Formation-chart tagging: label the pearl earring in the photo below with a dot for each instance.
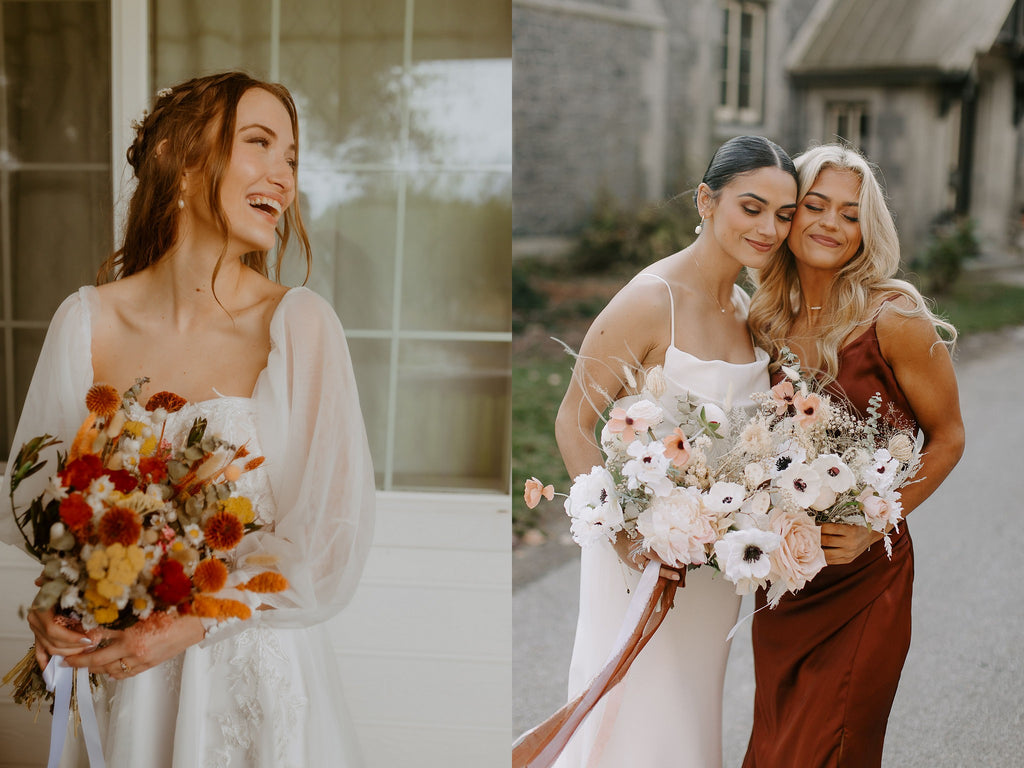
(181, 203)
(700, 227)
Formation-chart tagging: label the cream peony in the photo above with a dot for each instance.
(678, 527)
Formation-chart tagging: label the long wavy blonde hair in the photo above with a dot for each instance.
(852, 297)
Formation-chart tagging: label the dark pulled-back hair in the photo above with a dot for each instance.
(191, 129)
(743, 154)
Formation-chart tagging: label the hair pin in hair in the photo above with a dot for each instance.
(163, 93)
(137, 124)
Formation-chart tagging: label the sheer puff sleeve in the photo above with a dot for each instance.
(55, 403)
(318, 460)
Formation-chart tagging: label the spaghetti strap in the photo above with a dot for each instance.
(671, 305)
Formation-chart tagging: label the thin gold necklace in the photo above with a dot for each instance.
(705, 284)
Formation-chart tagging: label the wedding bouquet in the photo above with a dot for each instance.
(751, 509)
(806, 458)
(133, 528)
(660, 483)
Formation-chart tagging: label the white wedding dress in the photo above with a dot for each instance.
(263, 693)
(668, 709)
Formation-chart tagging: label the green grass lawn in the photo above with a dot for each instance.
(978, 307)
(537, 388)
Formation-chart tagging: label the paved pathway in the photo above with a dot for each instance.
(961, 699)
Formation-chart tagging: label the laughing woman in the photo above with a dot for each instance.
(828, 659)
(192, 308)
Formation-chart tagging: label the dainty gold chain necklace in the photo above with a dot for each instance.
(704, 282)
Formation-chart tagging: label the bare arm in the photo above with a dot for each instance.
(925, 374)
(633, 330)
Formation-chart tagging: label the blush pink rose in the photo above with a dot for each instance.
(799, 558)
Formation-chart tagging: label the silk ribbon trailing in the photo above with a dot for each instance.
(59, 678)
(540, 746)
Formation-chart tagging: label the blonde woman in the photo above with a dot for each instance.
(828, 659)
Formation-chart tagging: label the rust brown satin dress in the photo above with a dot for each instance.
(828, 659)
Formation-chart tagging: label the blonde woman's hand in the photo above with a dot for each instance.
(845, 543)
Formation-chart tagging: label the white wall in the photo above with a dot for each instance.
(424, 647)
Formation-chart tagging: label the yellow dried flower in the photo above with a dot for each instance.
(240, 507)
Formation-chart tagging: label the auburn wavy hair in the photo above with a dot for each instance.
(853, 296)
(191, 129)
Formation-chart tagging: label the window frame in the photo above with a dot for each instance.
(730, 111)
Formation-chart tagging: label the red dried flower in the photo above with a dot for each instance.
(123, 480)
(223, 531)
(103, 400)
(170, 584)
(119, 526)
(210, 575)
(79, 473)
(153, 469)
(76, 514)
(169, 401)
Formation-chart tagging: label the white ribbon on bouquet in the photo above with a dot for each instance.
(59, 678)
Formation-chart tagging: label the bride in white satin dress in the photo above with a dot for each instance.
(192, 308)
(685, 313)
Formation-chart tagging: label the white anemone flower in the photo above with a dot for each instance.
(789, 453)
(834, 473)
(594, 507)
(881, 471)
(724, 497)
(802, 483)
(744, 558)
(648, 467)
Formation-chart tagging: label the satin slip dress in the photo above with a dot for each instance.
(828, 659)
(668, 709)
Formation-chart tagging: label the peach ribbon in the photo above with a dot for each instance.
(540, 746)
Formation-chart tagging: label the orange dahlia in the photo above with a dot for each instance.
(268, 581)
(103, 400)
(223, 530)
(210, 575)
(169, 401)
(119, 526)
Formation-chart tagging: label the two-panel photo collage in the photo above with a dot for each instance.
(530, 383)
